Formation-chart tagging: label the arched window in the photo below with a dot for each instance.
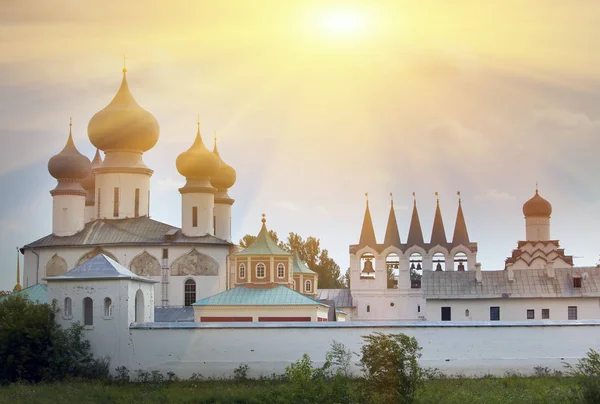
(139, 306)
(392, 263)
(88, 311)
(280, 270)
(467, 313)
(294, 284)
(368, 308)
(460, 262)
(439, 262)
(308, 286)
(107, 307)
(260, 270)
(242, 271)
(68, 307)
(189, 290)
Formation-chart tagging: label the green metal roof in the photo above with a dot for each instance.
(263, 245)
(300, 267)
(37, 293)
(244, 296)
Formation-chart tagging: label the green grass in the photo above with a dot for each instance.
(512, 390)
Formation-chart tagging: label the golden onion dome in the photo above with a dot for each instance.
(225, 176)
(537, 207)
(123, 125)
(197, 161)
(89, 182)
(69, 163)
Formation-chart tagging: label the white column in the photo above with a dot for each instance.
(68, 213)
(537, 228)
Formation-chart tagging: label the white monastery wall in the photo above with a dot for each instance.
(470, 349)
(513, 309)
(388, 304)
(255, 312)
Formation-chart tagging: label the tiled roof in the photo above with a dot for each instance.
(341, 297)
(527, 283)
(173, 314)
(263, 245)
(37, 293)
(244, 296)
(99, 267)
(134, 231)
(300, 267)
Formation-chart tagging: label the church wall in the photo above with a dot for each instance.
(390, 304)
(514, 309)
(473, 349)
(68, 215)
(127, 184)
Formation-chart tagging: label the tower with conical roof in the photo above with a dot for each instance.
(537, 212)
(70, 168)
(438, 234)
(222, 180)
(367, 234)
(415, 234)
(461, 235)
(123, 131)
(198, 165)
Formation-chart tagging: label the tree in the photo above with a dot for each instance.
(248, 239)
(34, 348)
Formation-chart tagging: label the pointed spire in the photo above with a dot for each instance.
(392, 237)
(415, 234)
(124, 63)
(18, 287)
(367, 234)
(438, 234)
(215, 150)
(461, 236)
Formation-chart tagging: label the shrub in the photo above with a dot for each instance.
(389, 362)
(587, 376)
(122, 375)
(241, 372)
(34, 348)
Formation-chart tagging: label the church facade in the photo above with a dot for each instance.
(103, 207)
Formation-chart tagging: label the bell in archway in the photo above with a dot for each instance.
(419, 266)
(461, 266)
(438, 267)
(368, 268)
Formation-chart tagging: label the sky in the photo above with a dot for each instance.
(316, 103)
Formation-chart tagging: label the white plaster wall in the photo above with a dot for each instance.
(473, 350)
(90, 213)
(68, 214)
(406, 305)
(205, 202)
(206, 285)
(127, 184)
(223, 221)
(537, 228)
(514, 309)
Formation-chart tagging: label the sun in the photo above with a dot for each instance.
(342, 22)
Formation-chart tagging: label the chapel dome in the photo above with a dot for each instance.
(123, 125)
(69, 163)
(89, 183)
(537, 207)
(197, 161)
(225, 176)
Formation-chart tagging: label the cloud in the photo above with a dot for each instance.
(10, 225)
(564, 119)
(495, 195)
(285, 205)
(169, 184)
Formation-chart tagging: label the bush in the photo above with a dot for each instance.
(34, 348)
(389, 362)
(587, 376)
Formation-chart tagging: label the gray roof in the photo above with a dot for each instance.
(527, 283)
(134, 231)
(99, 267)
(173, 314)
(341, 297)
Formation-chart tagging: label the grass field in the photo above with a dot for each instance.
(512, 390)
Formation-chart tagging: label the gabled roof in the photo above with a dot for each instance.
(392, 236)
(438, 234)
(133, 231)
(341, 297)
(367, 234)
(244, 296)
(37, 293)
(263, 245)
(99, 267)
(461, 236)
(527, 283)
(415, 234)
(300, 267)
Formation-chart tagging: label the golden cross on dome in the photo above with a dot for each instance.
(124, 63)
(70, 121)
(458, 193)
(264, 218)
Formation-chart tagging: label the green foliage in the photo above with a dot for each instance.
(587, 376)
(241, 372)
(389, 362)
(34, 348)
